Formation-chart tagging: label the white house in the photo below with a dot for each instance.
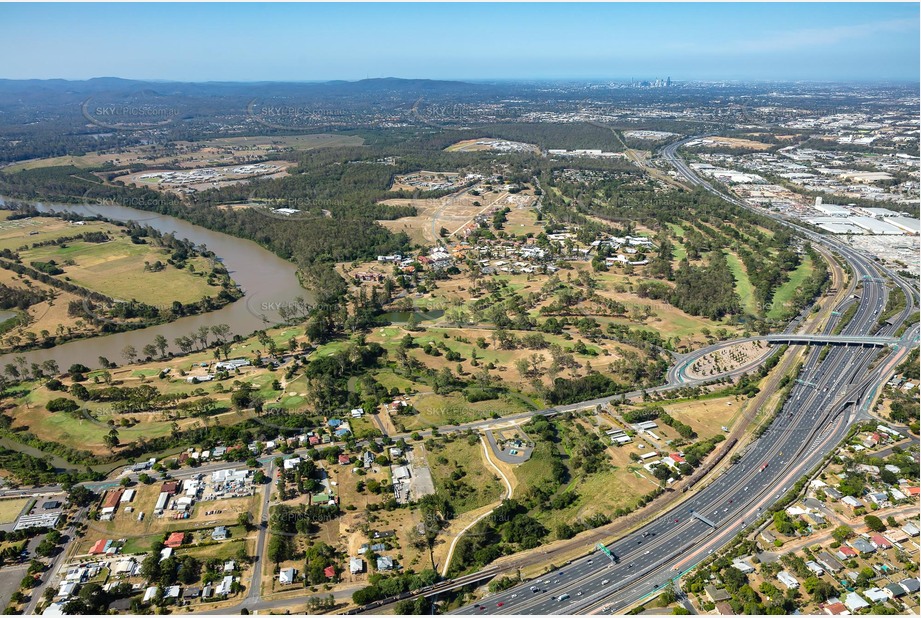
(287, 576)
(788, 580)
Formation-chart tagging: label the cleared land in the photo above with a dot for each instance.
(227, 150)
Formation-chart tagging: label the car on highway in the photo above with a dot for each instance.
(562, 597)
(605, 582)
(535, 589)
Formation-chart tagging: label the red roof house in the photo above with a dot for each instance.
(835, 609)
(344, 459)
(170, 487)
(112, 499)
(329, 572)
(175, 539)
(880, 542)
(677, 458)
(99, 547)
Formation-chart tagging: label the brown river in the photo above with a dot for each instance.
(268, 281)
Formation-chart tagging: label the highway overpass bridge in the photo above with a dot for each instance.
(798, 339)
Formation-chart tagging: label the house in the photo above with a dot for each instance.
(219, 534)
(788, 580)
(165, 553)
(342, 432)
(846, 553)
(395, 452)
(175, 540)
(170, 487)
(862, 545)
(835, 609)
(51, 504)
(829, 562)
(367, 459)
(356, 565)
(852, 502)
(832, 493)
(344, 460)
(121, 605)
(724, 609)
(292, 463)
(192, 592)
(149, 594)
(768, 537)
(384, 563)
(287, 576)
(329, 572)
(334, 422)
(743, 565)
(172, 592)
(910, 585)
(814, 567)
(99, 547)
(224, 588)
(229, 566)
(716, 594)
(313, 440)
(910, 529)
(67, 589)
(876, 595)
(880, 542)
(879, 499)
(854, 602)
(894, 591)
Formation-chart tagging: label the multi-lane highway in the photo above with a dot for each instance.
(829, 396)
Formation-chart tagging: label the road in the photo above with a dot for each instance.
(830, 396)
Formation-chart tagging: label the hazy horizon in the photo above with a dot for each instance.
(758, 42)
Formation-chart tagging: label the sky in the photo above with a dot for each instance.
(308, 42)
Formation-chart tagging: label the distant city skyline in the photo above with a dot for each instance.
(526, 41)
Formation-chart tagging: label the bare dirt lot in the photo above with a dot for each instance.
(454, 212)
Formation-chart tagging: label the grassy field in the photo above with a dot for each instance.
(439, 410)
(707, 416)
(613, 487)
(785, 292)
(116, 269)
(10, 509)
(459, 456)
(744, 287)
(225, 150)
(18, 232)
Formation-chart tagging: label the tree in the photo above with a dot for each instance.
(161, 344)
(111, 439)
(669, 595)
(842, 533)
(874, 523)
(130, 353)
